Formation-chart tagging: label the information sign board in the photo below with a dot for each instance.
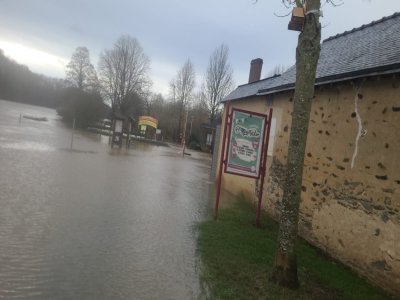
(246, 143)
(148, 121)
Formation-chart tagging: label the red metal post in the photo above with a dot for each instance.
(222, 159)
(263, 170)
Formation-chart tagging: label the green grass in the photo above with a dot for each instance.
(237, 259)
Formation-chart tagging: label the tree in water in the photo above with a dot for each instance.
(81, 100)
(307, 54)
(80, 73)
(182, 88)
(123, 70)
(86, 108)
(218, 80)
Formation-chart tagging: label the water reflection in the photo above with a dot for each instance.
(26, 145)
(95, 223)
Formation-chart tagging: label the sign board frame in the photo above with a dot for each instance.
(262, 165)
(246, 141)
(118, 126)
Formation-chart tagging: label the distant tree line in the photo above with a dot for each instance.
(122, 84)
(18, 83)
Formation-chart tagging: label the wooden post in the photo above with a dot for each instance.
(184, 135)
(222, 159)
(263, 169)
(72, 134)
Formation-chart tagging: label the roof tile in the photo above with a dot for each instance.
(363, 50)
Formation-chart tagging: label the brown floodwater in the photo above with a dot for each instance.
(95, 223)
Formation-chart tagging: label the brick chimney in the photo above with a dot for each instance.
(255, 70)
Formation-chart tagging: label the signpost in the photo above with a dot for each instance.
(116, 138)
(246, 152)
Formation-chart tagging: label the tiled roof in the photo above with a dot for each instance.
(364, 51)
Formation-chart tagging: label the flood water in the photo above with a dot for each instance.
(95, 223)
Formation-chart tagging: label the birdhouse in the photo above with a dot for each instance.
(297, 21)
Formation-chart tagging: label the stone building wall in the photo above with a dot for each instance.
(351, 183)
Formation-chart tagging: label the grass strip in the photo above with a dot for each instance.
(237, 260)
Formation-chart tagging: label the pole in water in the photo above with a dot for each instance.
(191, 125)
(20, 119)
(184, 135)
(72, 134)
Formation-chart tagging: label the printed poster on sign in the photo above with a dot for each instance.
(245, 143)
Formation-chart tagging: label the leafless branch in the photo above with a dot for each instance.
(333, 2)
(218, 79)
(80, 72)
(182, 89)
(282, 16)
(123, 70)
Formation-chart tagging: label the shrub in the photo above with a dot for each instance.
(86, 108)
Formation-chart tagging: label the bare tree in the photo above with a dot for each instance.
(218, 79)
(123, 70)
(80, 72)
(182, 88)
(307, 54)
(199, 114)
(148, 98)
(277, 70)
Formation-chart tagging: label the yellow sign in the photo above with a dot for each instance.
(148, 121)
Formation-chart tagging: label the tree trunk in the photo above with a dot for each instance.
(307, 54)
(180, 123)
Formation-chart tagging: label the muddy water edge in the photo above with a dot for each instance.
(95, 223)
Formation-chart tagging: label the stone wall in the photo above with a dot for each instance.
(350, 198)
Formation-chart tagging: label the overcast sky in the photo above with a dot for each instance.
(43, 34)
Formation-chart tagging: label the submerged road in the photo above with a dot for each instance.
(95, 223)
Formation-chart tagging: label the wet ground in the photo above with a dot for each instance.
(95, 223)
